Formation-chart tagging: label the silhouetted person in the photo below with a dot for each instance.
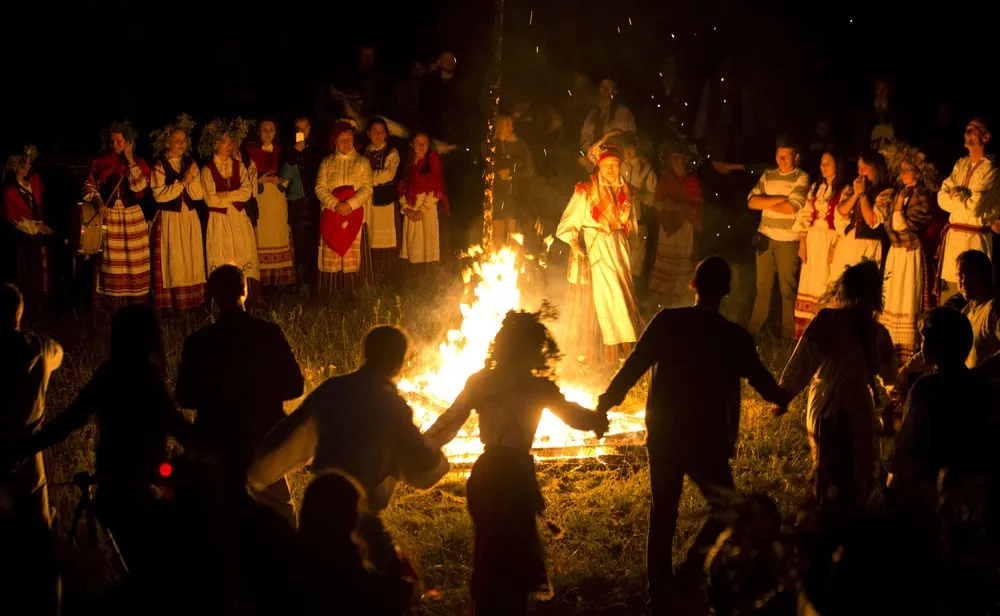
(838, 358)
(333, 574)
(237, 373)
(357, 423)
(27, 360)
(135, 413)
(698, 358)
(503, 494)
(946, 417)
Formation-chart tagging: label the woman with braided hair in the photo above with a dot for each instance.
(509, 395)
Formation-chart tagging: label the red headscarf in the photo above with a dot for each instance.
(425, 176)
(339, 129)
(687, 188)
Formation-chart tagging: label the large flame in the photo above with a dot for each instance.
(464, 353)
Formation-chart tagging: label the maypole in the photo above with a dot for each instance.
(491, 128)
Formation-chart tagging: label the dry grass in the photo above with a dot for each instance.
(596, 565)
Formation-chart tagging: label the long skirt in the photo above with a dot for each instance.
(124, 272)
(844, 454)
(906, 298)
(504, 501)
(178, 261)
(355, 267)
(232, 241)
(851, 251)
(421, 238)
(814, 277)
(587, 343)
(29, 263)
(674, 265)
(274, 238)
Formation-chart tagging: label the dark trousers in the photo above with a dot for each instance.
(666, 476)
(304, 221)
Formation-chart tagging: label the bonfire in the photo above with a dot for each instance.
(463, 353)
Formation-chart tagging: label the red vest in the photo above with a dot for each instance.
(224, 185)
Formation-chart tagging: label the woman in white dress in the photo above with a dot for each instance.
(420, 190)
(817, 235)
(274, 236)
(860, 217)
(178, 248)
(907, 292)
(226, 183)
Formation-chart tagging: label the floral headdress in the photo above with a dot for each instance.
(124, 127)
(678, 142)
(237, 129)
(898, 152)
(29, 155)
(160, 139)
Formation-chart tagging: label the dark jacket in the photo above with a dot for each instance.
(698, 358)
(237, 373)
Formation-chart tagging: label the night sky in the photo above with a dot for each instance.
(72, 67)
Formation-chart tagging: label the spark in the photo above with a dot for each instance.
(685, 103)
(672, 35)
(630, 21)
(722, 79)
(536, 48)
(657, 105)
(619, 29)
(723, 100)
(714, 28)
(661, 74)
(653, 96)
(531, 17)
(570, 92)
(544, 151)
(850, 21)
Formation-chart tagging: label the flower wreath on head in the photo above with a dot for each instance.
(28, 155)
(123, 127)
(679, 143)
(898, 152)
(160, 139)
(212, 134)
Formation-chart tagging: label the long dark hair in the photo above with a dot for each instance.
(877, 162)
(839, 181)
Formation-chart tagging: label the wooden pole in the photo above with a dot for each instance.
(489, 172)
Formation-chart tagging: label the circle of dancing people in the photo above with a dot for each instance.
(894, 326)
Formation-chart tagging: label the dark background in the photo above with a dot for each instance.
(72, 67)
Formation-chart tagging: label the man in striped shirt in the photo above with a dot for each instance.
(779, 195)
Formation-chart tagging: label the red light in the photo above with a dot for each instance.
(166, 470)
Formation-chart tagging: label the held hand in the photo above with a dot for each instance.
(859, 184)
(602, 426)
(343, 209)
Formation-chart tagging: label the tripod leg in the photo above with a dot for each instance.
(114, 547)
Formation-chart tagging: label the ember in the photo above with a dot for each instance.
(464, 353)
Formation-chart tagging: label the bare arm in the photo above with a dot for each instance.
(446, 427)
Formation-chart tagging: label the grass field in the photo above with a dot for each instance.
(596, 564)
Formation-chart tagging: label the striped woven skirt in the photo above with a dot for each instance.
(124, 271)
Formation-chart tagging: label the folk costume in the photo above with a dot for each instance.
(178, 245)
(422, 196)
(907, 288)
(274, 235)
(857, 240)
(641, 179)
(815, 222)
(381, 217)
(124, 273)
(342, 178)
(969, 197)
(679, 210)
(230, 238)
(601, 219)
(26, 256)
